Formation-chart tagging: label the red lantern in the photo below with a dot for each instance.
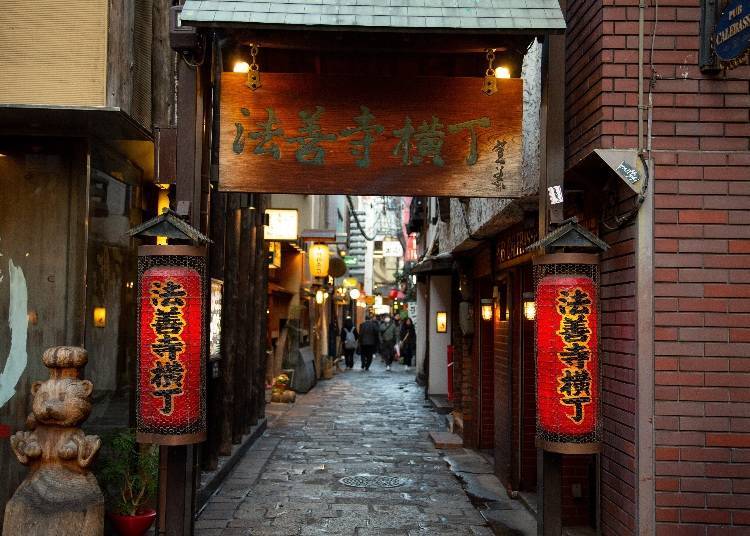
(171, 345)
(393, 294)
(568, 384)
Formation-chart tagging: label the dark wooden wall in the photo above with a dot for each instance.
(42, 231)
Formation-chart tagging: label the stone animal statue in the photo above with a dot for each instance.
(60, 495)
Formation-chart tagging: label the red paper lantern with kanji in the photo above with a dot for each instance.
(170, 408)
(568, 372)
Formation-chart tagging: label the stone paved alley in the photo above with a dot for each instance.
(373, 423)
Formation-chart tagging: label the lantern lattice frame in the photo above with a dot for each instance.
(179, 256)
(574, 264)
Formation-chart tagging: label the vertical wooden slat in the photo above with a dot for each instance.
(214, 399)
(252, 324)
(261, 301)
(229, 316)
(243, 353)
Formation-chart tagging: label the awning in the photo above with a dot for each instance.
(437, 264)
(98, 122)
(440, 15)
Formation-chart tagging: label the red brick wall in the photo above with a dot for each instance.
(618, 358)
(701, 186)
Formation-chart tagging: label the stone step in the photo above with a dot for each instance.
(446, 440)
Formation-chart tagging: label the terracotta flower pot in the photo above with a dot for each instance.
(136, 525)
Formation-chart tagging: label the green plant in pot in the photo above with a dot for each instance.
(129, 474)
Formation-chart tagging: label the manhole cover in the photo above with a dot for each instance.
(366, 481)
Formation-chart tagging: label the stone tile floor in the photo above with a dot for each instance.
(372, 423)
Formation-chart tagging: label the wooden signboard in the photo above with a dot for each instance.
(427, 136)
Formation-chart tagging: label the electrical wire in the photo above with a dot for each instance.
(356, 220)
(621, 220)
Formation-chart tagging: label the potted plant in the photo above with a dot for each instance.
(129, 475)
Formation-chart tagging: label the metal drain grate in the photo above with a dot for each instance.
(367, 481)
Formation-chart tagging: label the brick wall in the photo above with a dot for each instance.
(701, 187)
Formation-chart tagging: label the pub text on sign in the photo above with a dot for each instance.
(574, 307)
(414, 146)
(167, 299)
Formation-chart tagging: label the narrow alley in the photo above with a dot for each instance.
(359, 423)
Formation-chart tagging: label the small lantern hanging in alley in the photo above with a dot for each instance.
(529, 306)
(320, 296)
(354, 293)
(568, 384)
(487, 309)
(319, 257)
(172, 343)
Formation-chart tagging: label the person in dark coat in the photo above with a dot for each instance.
(388, 340)
(408, 341)
(349, 337)
(369, 336)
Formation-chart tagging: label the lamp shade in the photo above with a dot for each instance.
(354, 293)
(172, 345)
(319, 258)
(529, 309)
(567, 372)
(487, 310)
(441, 322)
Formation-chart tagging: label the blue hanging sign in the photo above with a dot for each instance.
(732, 34)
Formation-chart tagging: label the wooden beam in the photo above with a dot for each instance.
(244, 349)
(261, 301)
(402, 42)
(229, 316)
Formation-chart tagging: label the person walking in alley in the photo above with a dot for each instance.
(388, 340)
(349, 337)
(408, 341)
(368, 341)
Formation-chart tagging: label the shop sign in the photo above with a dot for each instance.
(435, 136)
(214, 346)
(412, 310)
(350, 260)
(282, 224)
(732, 33)
(567, 362)
(514, 243)
(392, 248)
(171, 341)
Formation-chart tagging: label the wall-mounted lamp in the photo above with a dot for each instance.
(100, 317)
(487, 309)
(354, 293)
(529, 306)
(441, 322)
(241, 67)
(319, 297)
(502, 72)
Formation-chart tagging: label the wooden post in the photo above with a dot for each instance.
(214, 397)
(229, 316)
(244, 352)
(177, 464)
(261, 301)
(252, 317)
(552, 170)
(549, 486)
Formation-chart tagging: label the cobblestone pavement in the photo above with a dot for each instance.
(359, 423)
